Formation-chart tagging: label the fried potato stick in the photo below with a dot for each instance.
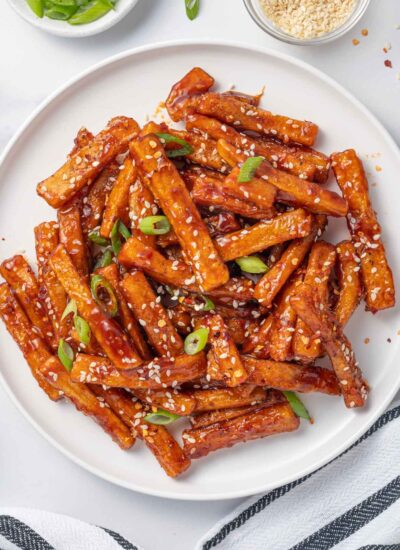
(323, 323)
(32, 346)
(365, 231)
(273, 281)
(266, 421)
(173, 197)
(262, 235)
(86, 402)
(250, 118)
(19, 275)
(160, 373)
(151, 314)
(157, 439)
(350, 291)
(82, 168)
(107, 332)
(291, 377)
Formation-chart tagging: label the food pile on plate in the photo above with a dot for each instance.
(187, 275)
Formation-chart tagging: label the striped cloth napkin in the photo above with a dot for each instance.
(353, 503)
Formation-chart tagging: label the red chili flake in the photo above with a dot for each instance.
(388, 63)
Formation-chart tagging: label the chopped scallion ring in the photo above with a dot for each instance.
(155, 225)
(199, 303)
(71, 308)
(104, 260)
(119, 229)
(96, 238)
(99, 283)
(297, 405)
(83, 329)
(208, 304)
(248, 169)
(252, 264)
(161, 417)
(65, 354)
(192, 8)
(186, 148)
(196, 341)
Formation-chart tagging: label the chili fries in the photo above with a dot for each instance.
(186, 278)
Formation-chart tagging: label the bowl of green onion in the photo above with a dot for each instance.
(73, 18)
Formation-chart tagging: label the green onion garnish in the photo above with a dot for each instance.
(65, 354)
(99, 283)
(248, 169)
(37, 6)
(192, 8)
(83, 329)
(119, 229)
(71, 308)
(252, 264)
(161, 417)
(297, 405)
(208, 304)
(124, 231)
(104, 260)
(91, 12)
(199, 303)
(155, 225)
(196, 341)
(96, 238)
(60, 13)
(186, 148)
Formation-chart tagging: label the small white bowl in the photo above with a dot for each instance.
(62, 28)
(259, 17)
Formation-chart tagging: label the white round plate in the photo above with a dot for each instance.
(133, 84)
(62, 28)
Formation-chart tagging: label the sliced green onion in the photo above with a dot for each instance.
(104, 260)
(96, 238)
(196, 341)
(97, 283)
(161, 417)
(64, 2)
(91, 12)
(60, 13)
(66, 354)
(248, 169)
(124, 231)
(208, 304)
(252, 264)
(192, 8)
(199, 303)
(83, 329)
(37, 6)
(71, 308)
(119, 229)
(155, 225)
(186, 148)
(297, 405)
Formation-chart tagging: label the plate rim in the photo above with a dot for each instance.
(195, 495)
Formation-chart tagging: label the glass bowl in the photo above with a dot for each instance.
(257, 14)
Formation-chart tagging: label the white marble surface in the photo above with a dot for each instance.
(32, 65)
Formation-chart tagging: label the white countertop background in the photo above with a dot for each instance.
(32, 65)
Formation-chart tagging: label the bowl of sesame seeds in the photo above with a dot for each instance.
(306, 22)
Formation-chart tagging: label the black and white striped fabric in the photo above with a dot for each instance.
(353, 503)
(26, 529)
